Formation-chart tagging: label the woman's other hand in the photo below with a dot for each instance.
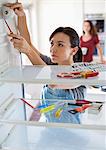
(17, 8)
(20, 43)
(22, 23)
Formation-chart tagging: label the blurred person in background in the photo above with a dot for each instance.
(89, 41)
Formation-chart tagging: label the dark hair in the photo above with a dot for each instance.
(93, 31)
(74, 40)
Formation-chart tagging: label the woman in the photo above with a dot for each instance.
(89, 41)
(64, 50)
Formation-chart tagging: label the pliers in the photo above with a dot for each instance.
(79, 109)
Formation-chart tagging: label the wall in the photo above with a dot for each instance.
(94, 6)
(55, 13)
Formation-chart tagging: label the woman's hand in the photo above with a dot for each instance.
(20, 43)
(17, 8)
(22, 23)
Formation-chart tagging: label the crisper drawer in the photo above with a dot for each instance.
(31, 137)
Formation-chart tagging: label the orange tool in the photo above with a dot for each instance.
(87, 74)
(82, 74)
(80, 109)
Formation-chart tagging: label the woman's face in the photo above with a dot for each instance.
(86, 27)
(60, 49)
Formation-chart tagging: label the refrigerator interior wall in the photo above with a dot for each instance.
(8, 54)
(8, 57)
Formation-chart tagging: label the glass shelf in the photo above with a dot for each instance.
(17, 111)
(48, 74)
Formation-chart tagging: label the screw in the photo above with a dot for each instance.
(6, 12)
